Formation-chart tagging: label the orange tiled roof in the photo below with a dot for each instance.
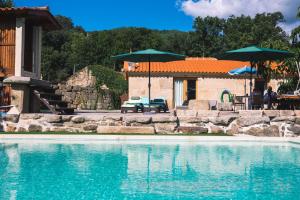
(190, 65)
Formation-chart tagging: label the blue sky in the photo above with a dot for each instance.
(108, 14)
(162, 14)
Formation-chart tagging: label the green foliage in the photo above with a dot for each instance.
(6, 3)
(115, 81)
(73, 47)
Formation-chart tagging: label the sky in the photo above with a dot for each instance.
(161, 14)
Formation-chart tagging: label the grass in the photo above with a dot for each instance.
(94, 133)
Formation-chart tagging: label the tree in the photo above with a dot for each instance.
(208, 36)
(6, 3)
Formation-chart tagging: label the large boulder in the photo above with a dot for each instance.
(78, 119)
(164, 119)
(208, 113)
(286, 119)
(216, 129)
(295, 129)
(90, 127)
(192, 130)
(137, 119)
(53, 118)
(251, 113)
(271, 113)
(249, 120)
(125, 130)
(164, 128)
(12, 118)
(222, 121)
(191, 120)
(271, 131)
(233, 129)
(287, 113)
(186, 113)
(35, 128)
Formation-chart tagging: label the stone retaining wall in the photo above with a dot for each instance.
(85, 98)
(257, 123)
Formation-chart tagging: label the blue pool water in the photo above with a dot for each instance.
(132, 171)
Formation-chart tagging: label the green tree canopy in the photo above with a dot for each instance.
(6, 3)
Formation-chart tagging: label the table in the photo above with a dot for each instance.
(288, 101)
(245, 100)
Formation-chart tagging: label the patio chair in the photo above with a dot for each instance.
(237, 101)
(212, 104)
(257, 102)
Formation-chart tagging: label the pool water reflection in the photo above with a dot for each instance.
(132, 171)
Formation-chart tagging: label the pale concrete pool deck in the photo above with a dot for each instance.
(144, 139)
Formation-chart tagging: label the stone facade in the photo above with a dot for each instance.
(80, 91)
(160, 87)
(208, 87)
(256, 123)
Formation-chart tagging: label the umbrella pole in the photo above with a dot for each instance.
(149, 86)
(251, 96)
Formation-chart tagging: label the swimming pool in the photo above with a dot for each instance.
(109, 170)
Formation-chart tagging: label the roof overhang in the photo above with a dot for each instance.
(39, 16)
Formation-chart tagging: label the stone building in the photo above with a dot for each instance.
(202, 79)
(20, 54)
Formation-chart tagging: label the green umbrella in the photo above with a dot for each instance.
(255, 55)
(149, 55)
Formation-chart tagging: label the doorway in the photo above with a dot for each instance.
(184, 91)
(191, 89)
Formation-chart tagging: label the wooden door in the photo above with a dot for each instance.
(7, 46)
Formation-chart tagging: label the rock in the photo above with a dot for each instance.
(190, 130)
(137, 119)
(187, 113)
(65, 129)
(125, 130)
(250, 113)
(223, 121)
(12, 118)
(78, 119)
(287, 113)
(287, 119)
(165, 128)
(21, 129)
(208, 113)
(205, 119)
(272, 131)
(35, 128)
(114, 118)
(216, 129)
(295, 129)
(230, 113)
(90, 127)
(233, 129)
(249, 121)
(66, 118)
(164, 119)
(297, 120)
(31, 116)
(297, 112)
(271, 113)
(53, 118)
(192, 120)
(10, 128)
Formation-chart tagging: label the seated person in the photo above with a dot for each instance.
(269, 97)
